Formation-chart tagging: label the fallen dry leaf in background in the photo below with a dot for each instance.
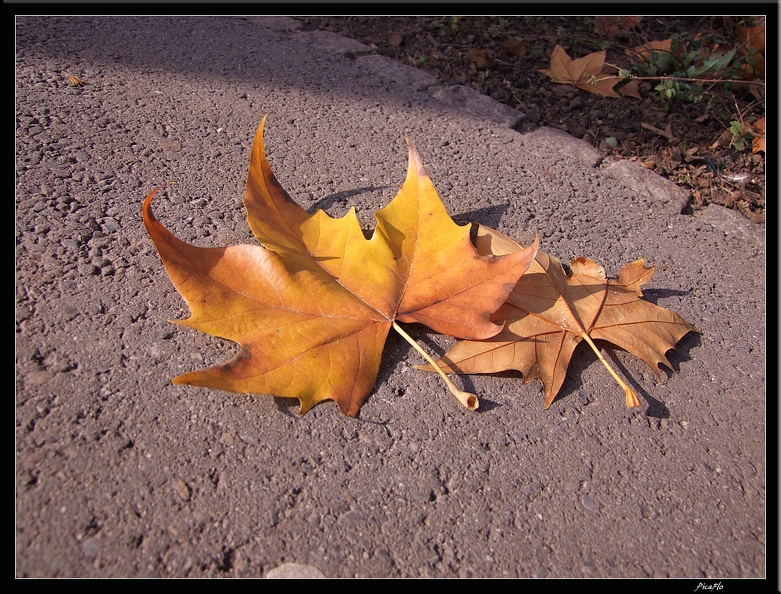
(667, 132)
(311, 308)
(758, 142)
(724, 139)
(584, 73)
(550, 312)
(395, 39)
(631, 89)
(753, 40)
(609, 26)
(478, 57)
(753, 37)
(643, 53)
(513, 47)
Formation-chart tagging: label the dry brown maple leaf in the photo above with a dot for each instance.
(758, 142)
(631, 89)
(753, 37)
(644, 52)
(312, 308)
(752, 41)
(610, 26)
(550, 312)
(584, 73)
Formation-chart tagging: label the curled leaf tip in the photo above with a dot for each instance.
(415, 162)
(146, 210)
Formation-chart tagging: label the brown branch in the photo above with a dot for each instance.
(631, 76)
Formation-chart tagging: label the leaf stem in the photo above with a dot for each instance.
(469, 400)
(631, 397)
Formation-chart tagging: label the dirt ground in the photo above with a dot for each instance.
(686, 142)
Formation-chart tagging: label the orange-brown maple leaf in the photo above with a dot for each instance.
(550, 312)
(312, 307)
(631, 89)
(584, 73)
(758, 142)
(644, 52)
(752, 41)
(752, 37)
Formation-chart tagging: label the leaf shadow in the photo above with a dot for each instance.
(398, 350)
(486, 404)
(653, 295)
(287, 406)
(464, 381)
(680, 352)
(582, 358)
(677, 355)
(395, 351)
(290, 407)
(490, 216)
(656, 409)
(327, 201)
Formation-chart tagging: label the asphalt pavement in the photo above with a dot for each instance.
(120, 473)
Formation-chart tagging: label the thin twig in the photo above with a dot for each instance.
(631, 76)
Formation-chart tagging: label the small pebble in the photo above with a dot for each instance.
(295, 570)
(182, 489)
(90, 547)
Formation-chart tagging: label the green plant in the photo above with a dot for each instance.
(693, 67)
(498, 26)
(440, 27)
(741, 135)
(697, 67)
